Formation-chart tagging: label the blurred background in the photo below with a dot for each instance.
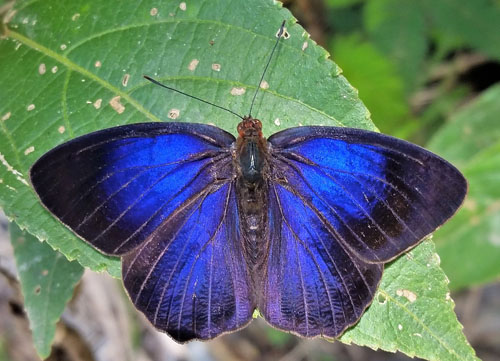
(429, 72)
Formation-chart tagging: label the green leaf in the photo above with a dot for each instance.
(72, 58)
(413, 314)
(474, 22)
(475, 126)
(380, 87)
(47, 282)
(398, 29)
(469, 244)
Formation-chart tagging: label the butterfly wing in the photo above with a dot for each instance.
(189, 278)
(380, 194)
(116, 186)
(314, 285)
(161, 195)
(342, 203)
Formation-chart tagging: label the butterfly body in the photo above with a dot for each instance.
(252, 168)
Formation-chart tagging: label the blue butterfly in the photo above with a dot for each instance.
(211, 227)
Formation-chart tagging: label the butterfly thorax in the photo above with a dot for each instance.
(251, 163)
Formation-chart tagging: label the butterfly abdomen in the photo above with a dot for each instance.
(252, 207)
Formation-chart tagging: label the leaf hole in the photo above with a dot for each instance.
(381, 298)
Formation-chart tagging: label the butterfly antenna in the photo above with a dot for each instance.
(279, 35)
(191, 96)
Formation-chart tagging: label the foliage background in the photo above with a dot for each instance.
(428, 72)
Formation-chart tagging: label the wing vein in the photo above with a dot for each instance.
(330, 228)
(139, 197)
(333, 209)
(332, 309)
(139, 229)
(373, 177)
(359, 206)
(210, 240)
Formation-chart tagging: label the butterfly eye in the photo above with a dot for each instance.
(241, 129)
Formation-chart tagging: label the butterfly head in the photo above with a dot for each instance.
(250, 127)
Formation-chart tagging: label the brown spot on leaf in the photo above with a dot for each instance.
(42, 69)
(29, 150)
(116, 105)
(38, 289)
(409, 295)
(153, 12)
(61, 129)
(264, 84)
(98, 64)
(75, 17)
(97, 103)
(125, 79)
(193, 64)
(6, 116)
(45, 272)
(238, 91)
(182, 6)
(30, 107)
(54, 69)
(174, 113)
(216, 67)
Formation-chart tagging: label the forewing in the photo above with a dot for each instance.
(314, 285)
(115, 187)
(189, 277)
(376, 195)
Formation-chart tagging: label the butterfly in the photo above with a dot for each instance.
(210, 227)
